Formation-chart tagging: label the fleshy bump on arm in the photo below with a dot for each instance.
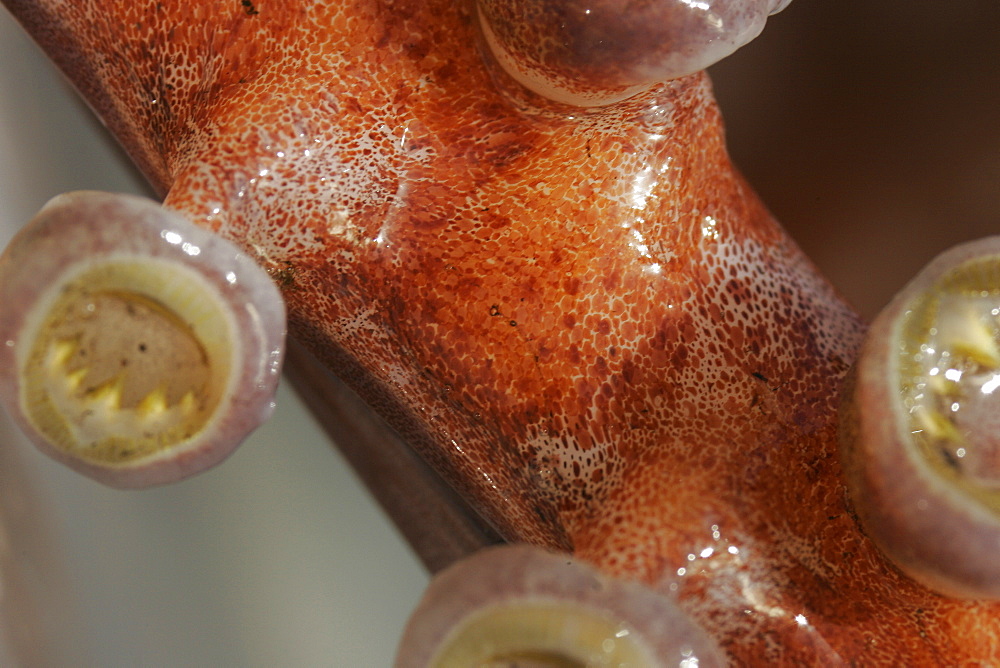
(596, 53)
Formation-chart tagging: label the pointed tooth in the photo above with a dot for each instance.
(75, 378)
(942, 386)
(153, 404)
(981, 348)
(187, 404)
(937, 426)
(108, 393)
(964, 333)
(60, 353)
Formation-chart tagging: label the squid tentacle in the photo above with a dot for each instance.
(594, 53)
(580, 314)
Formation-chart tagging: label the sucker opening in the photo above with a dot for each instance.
(950, 377)
(130, 358)
(543, 635)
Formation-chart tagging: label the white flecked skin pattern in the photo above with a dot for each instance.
(584, 319)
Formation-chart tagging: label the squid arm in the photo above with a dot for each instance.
(518, 236)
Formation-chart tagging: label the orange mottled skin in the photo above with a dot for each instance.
(583, 318)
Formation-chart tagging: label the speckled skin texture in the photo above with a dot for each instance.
(584, 320)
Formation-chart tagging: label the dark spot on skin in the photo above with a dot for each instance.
(249, 8)
(573, 354)
(540, 513)
(495, 310)
(759, 376)
(513, 323)
(284, 277)
(142, 347)
(949, 458)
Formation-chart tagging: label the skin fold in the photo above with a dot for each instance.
(583, 318)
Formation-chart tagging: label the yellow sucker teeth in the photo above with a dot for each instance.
(982, 349)
(153, 404)
(108, 393)
(187, 404)
(104, 384)
(943, 386)
(60, 353)
(126, 331)
(964, 332)
(938, 426)
(75, 378)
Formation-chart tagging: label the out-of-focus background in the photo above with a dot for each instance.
(868, 127)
